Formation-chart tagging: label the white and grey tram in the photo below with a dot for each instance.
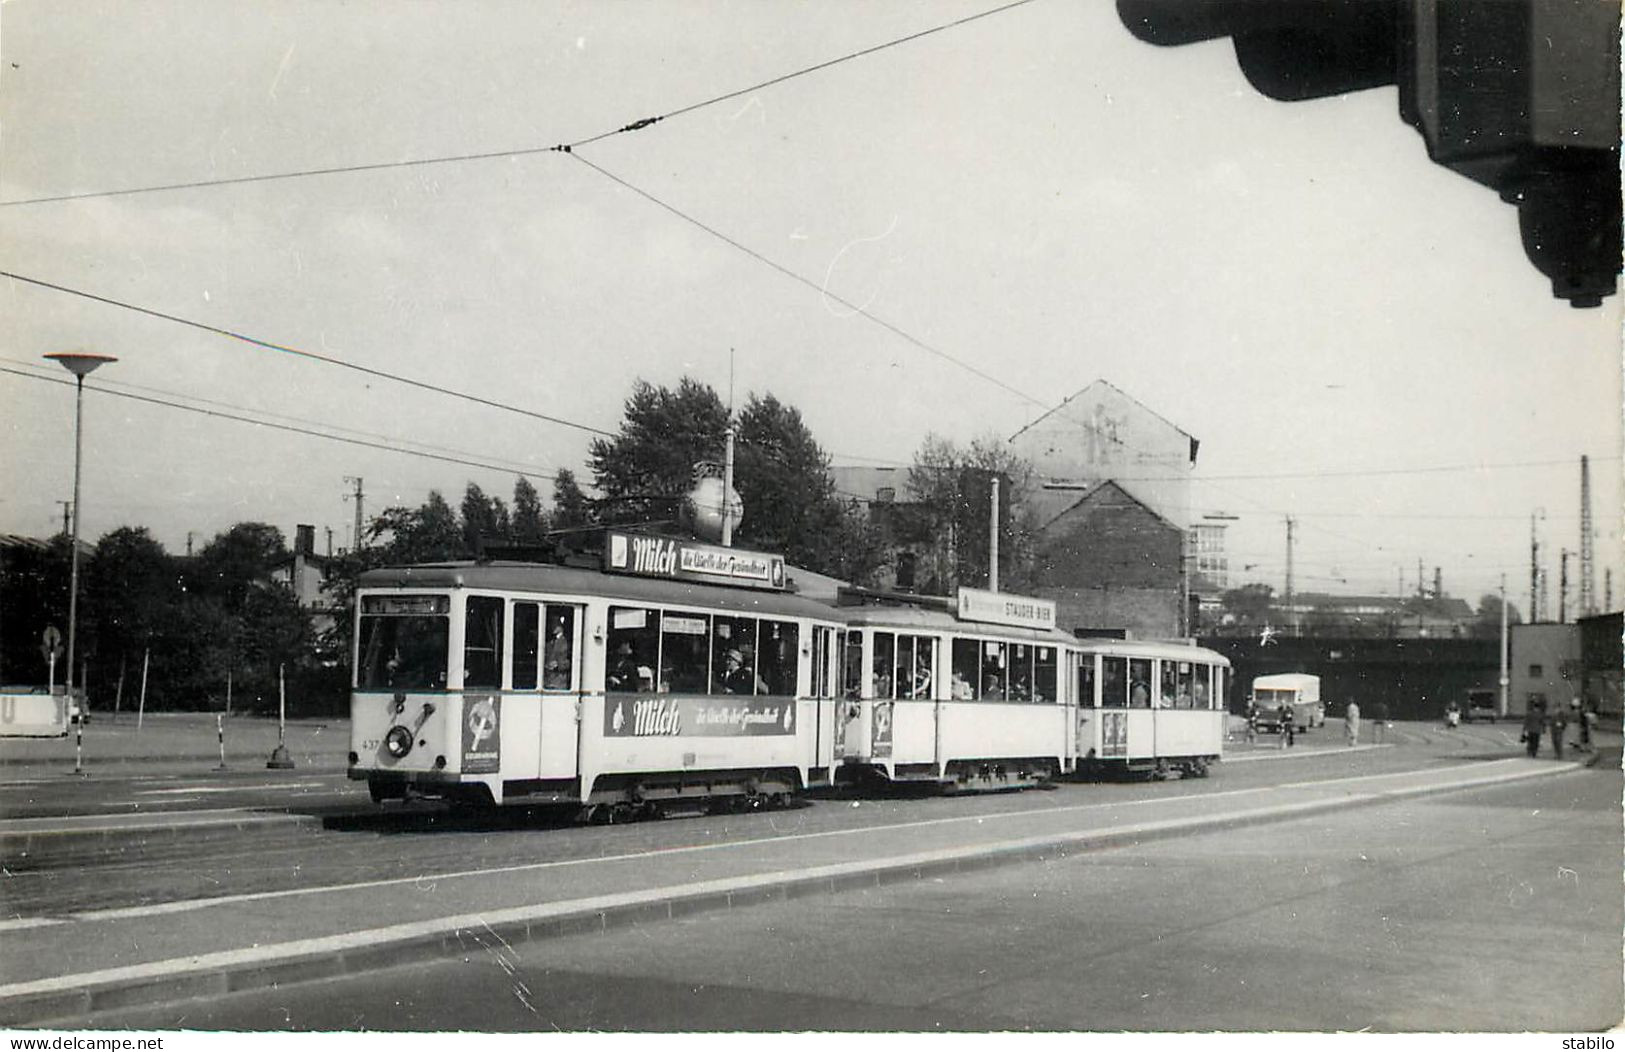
(968, 696)
(1152, 707)
(673, 671)
(634, 684)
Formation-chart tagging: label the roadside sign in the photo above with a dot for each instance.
(51, 644)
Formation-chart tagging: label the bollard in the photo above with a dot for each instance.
(220, 732)
(79, 746)
(280, 760)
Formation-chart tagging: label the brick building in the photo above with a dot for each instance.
(1110, 562)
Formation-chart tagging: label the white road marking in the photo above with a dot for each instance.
(226, 788)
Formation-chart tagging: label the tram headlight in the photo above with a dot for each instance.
(398, 742)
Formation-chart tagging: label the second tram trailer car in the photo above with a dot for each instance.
(1154, 707)
(976, 695)
(677, 671)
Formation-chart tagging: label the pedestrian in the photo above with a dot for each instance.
(1560, 725)
(1534, 720)
(1286, 727)
(1452, 716)
(1577, 715)
(1252, 722)
(1379, 726)
(1588, 716)
(1351, 723)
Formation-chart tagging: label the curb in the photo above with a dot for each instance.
(41, 849)
(69, 999)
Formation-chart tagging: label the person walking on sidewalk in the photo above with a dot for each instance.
(1560, 725)
(1286, 727)
(1379, 726)
(1351, 722)
(1534, 721)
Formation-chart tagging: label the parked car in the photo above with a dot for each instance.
(1482, 704)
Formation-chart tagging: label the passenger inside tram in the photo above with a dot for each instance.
(960, 687)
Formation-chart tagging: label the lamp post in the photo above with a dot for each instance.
(80, 364)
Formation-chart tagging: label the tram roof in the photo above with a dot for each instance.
(1153, 648)
(924, 618)
(552, 579)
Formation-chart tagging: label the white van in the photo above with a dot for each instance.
(1296, 692)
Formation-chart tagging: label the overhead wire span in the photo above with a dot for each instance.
(487, 155)
(310, 432)
(311, 355)
(890, 327)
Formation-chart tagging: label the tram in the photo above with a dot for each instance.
(671, 671)
(661, 672)
(1150, 707)
(975, 695)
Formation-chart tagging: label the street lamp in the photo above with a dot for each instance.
(80, 364)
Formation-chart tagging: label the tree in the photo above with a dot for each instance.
(952, 490)
(572, 509)
(783, 479)
(646, 468)
(484, 519)
(428, 533)
(236, 561)
(1487, 625)
(132, 589)
(529, 521)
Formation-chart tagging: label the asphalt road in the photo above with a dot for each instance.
(1495, 909)
(356, 841)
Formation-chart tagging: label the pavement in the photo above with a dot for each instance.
(67, 966)
(175, 742)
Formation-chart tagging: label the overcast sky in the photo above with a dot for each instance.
(1352, 332)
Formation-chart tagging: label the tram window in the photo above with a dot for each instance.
(733, 657)
(915, 674)
(634, 649)
(1113, 682)
(1167, 690)
(1086, 680)
(1021, 672)
(1201, 696)
(527, 645)
(885, 647)
(482, 642)
(776, 657)
(403, 652)
(1182, 686)
(852, 664)
(558, 655)
(1045, 685)
(685, 653)
(967, 670)
(994, 674)
(820, 660)
(1139, 683)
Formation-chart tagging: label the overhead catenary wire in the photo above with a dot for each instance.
(301, 353)
(309, 432)
(890, 327)
(523, 151)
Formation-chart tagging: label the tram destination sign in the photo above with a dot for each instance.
(1003, 608)
(678, 560)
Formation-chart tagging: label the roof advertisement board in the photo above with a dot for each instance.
(1003, 608)
(678, 560)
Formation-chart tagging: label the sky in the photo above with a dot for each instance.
(946, 235)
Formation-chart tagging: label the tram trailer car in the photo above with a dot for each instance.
(936, 697)
(1150, 707)
(523, 683)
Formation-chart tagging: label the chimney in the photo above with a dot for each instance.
(304, 540)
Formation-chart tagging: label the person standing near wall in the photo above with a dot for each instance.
(1351, 723)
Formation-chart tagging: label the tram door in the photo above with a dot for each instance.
(1114, 706)
(849, 711)
(1084, 714)
(561, 690)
